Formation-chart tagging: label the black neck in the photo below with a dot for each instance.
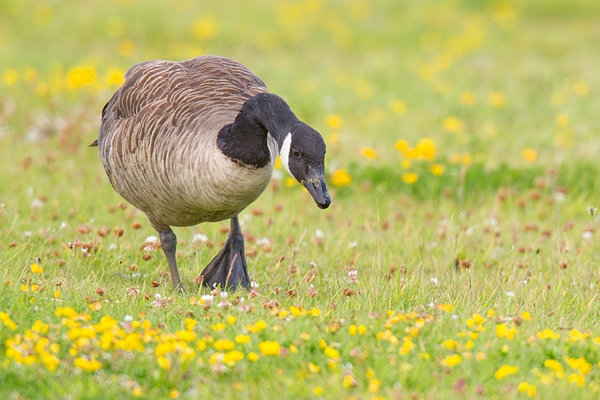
(245, 140)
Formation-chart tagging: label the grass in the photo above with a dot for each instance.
(479, 280)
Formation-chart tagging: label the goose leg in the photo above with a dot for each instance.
(168, 241)
(229, 267)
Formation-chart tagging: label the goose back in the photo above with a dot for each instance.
(158, 138)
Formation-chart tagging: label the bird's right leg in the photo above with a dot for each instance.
(168, 241)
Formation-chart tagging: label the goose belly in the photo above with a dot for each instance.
(187, 185)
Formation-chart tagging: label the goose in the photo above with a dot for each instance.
(196, 141)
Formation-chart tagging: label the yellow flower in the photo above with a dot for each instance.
(527, 387)
(402, 145)
(497, 99)
(269, 348)
(334, 121)
(352, 330)
(330, 352)
(503, 332)
(231, 357)
(231, 319)
(10, 77)
(526, 316)
(436, 169)
(452, 360)
(529, 155)
(206, 27)
(468, 98)
(453, 124)
(562, 120)
(362, 329)
(582, 88)
(126, 47)
(397, 106)
(576, 336)
(506, 370)
(252, 356)
(242, 339)
(87, 365)
(577, 379)
(426, 149)
(318, 391)
(218, 327)
(450, 344)
(223, 344)
(174, 393)
(313, 368)
(349, 381)
(341, 178)
(410, 177)
(36, 269)
(368, 153)
(81, 76)
(115, 77)
(547, 334)
(290, 182)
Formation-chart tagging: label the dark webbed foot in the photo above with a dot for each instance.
(229, 268)
(168, 241)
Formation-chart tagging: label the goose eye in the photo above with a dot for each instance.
(296, 153)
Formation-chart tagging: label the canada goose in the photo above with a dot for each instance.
(196, 141)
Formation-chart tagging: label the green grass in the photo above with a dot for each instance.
(501, 243)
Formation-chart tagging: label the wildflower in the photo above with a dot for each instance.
(87, 365)
(556, 367)
(361, 330)
(426, 149)
(453, 124)
(528, 388)
(205, 28)
(334, 121)
(269, 348)
(562, 120)
(242, 339)
(497, 99)
(402, 146)
(330, 352)
(349, 381)
(341, 178)
(368, 153)
(450, 344)
(410, 177)
(397, 106)
(174, 393)
(252, 356)
(353, 276)
(232, 357)
(468, 98)
(526, 316)
(503, 332)
(577, 379)
(81, 76)
(36, 269)
(223, 344)
(313, 368)
(436, 169)
(406, 164)
(529, 155)
(582, 88)
(452, 360)
(579, 364)
(318, 391)
(126, 47)
(576, 336)
(506, 370)
(115, 77)
(547, 334)
(218, 327)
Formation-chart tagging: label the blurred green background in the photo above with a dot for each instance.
(487, 79)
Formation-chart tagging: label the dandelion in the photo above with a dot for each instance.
(453, 124)
(269, 348)
(436, 169)
(334, 121)
(497, 99)
(402, 146)
(205, 28)
(410, 178)
(115, 77)
(452, 360)
(330, 352)
(547, 334)
(426, 149)
(341, 178)
(506, 370)
(503, 332)
(562, 120)
(81, 76)
(10, 77)
(529, 155)
(252, 356)
(397, 106)
(368, 153)
(526, 316)
(318, 391)
(87, 365)
(528, 388)
(36, 269)
(468, 98)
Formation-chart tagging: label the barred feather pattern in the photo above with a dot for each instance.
(158, 141)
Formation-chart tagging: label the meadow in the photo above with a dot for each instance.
(459, 258)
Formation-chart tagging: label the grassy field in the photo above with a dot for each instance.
(460, 256)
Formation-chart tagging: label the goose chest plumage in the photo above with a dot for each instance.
(196, 141)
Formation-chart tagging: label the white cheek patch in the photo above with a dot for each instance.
(284, 153)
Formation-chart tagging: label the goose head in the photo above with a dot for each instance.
(302, 153)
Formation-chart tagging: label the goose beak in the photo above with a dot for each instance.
(315, 184)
